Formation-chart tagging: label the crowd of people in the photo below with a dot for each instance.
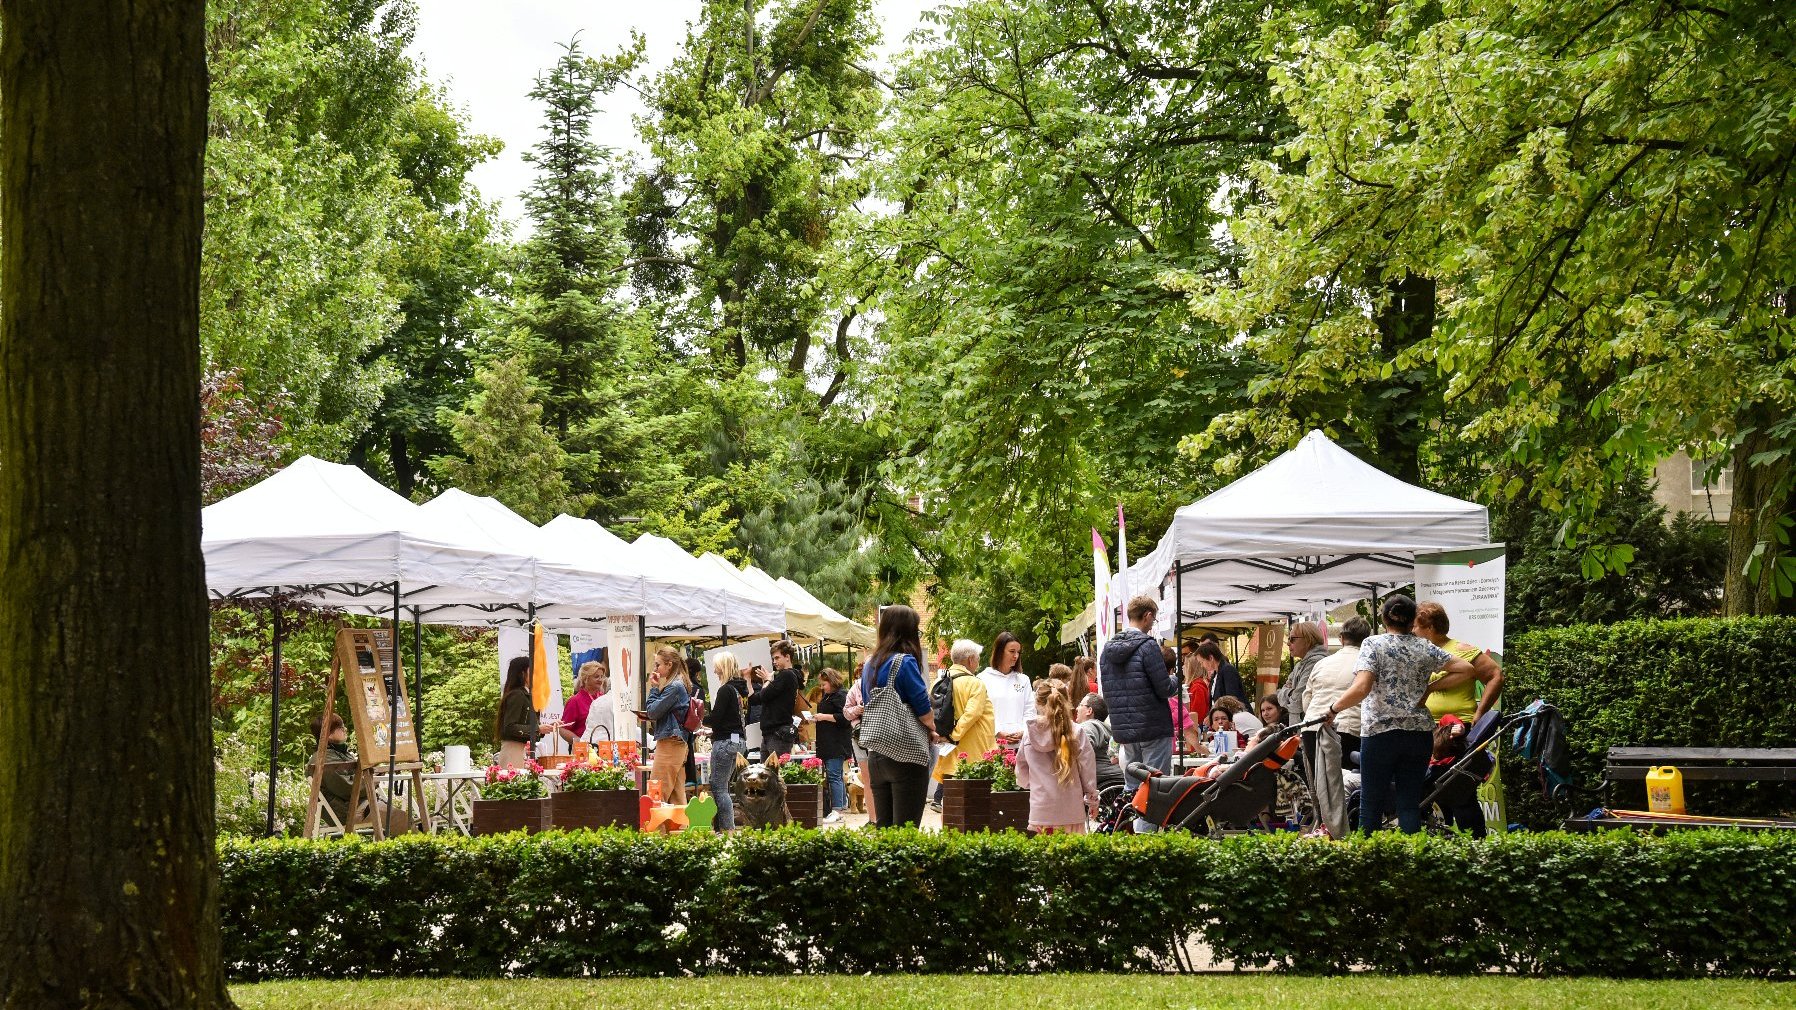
(1376, 707)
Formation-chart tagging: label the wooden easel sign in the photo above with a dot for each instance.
(361, 662)
(364, 658)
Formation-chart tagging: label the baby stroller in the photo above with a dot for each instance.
(1230, 797)
(1539, 736)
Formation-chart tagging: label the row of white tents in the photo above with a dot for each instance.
(1313, 528)
(336, 537)
(330, 535)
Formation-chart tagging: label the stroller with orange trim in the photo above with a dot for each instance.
(1220, 797)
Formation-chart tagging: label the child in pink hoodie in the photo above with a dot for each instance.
(1055, 763)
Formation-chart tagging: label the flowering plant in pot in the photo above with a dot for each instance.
(512, 799)
(803, 772)
(803, 778)
(966, 793)
(514, 783)
(1008, 807)
(595, 794)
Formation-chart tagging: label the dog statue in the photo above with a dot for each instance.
(759, 795)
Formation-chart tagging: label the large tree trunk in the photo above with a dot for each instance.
(1762, 496)
(107, 869)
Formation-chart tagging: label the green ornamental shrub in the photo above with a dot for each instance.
(1699, 682)
(1710, 903)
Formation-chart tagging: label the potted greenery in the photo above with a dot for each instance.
(595, 794)
(1009, 806)
(512, 799)
(804, 790)
(966, 794)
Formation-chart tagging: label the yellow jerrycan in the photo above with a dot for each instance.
(1665, 790)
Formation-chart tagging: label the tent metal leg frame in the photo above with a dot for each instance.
(1178, 629)
(642, 681)
(274, 718)
(418, 676)
(392, 726)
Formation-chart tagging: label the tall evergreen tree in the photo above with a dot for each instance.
(569, 317)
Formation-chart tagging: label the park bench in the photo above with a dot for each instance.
(1695, 764)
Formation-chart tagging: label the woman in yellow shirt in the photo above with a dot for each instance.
(1467, 696)
(975, 725)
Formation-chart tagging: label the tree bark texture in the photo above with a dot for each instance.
(108, 893)
(1762, 497)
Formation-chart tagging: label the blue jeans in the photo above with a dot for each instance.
(723, 769)
(1156, 754)
(838, 789)
(1393, 765)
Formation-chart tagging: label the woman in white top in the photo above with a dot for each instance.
(1012, 696)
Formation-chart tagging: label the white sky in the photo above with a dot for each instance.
(488, 53)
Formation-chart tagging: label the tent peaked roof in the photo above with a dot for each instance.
(736, 606)
(598, 582)
(842, 629)
(1318, 498)
(1314, 525)
(335, 532)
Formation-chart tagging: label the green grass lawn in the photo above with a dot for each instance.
(1048, 992)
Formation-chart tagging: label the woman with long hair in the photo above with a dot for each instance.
(1393, 681)
(898, 788)
(1056, 764)
(517, 727)
(666, 712)
(1011, 694)
(832, 741)
(727, 739)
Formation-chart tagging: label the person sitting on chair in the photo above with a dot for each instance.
(340, 768)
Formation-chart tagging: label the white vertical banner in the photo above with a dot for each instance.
(514, 642)
(1469, 583)
(1100, 588)
(1122, 560)
(753, 652)
(624, 635)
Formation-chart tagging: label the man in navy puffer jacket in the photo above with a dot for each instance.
(1132, 674)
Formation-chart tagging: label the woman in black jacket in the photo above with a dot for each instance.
(727, 743)
(833, 745)
(518, 727)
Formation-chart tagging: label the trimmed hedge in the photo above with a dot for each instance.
(623, 903)
(1699, 682)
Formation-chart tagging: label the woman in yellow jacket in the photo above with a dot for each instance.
(975, 728)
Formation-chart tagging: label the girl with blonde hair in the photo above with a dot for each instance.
(1056, 764)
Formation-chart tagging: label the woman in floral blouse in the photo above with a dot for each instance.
(1398, 730)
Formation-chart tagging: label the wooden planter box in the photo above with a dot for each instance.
(494, 817)
(966, 804)
(805, 804)
(598, 808)
(1009, 810)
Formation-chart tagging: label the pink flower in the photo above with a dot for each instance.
(813, 763)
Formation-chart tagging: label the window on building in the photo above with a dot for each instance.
(1705, 479)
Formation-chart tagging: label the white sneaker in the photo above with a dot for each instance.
(833, 817)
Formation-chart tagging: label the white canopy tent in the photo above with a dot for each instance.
(743, 609)
(333, 534)
(1315, 526)
(599, 582)
(837, 628)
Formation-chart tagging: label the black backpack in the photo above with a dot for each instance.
(941, 699)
